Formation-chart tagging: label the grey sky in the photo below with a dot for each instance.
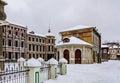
(63, 14)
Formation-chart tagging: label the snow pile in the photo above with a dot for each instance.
(41, 60)
(63, 60)
(52, 61)
(21, 59)
(32, 63)
(107, 72)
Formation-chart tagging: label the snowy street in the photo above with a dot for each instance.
(107, 72)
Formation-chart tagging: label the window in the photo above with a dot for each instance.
(43, 48)
(66, 40)
(52, 40)
(16, 55)
(29, 55)
(36, 39)
(118, 51)
(9, 31)
(33, 47)
(29, 47)
(22, 34)
(43, 41)
(48, 48)
(52, 48)
(36, 47)
(3, 29)
(40, 55)
(9, 55)
(16, 43)
(33, 39)
(39, 40)
(33, 55)
(48, 40)
(29, 38)
(4, 54)
(40, 48)
(9, 42)
(37, 56)
(3, 41)
(22, 44)
(16, 33)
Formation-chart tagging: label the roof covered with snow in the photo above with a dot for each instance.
(21, 59)
(77, 28)
(63, 60)
(104, 46)
(32, 63)
(52, 61)
(2, 22)
(73, 40)
(114, 47)
(35, 34)
(49, 34)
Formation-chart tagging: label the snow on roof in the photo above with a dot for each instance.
(104, 46)
(32, 63)
(40, 59)
(74, 40)
(49, 34)
(21, 59)
(2, 22)
(52, 61)
(63, 60)
(35, 34)
(77, 28)
(115, 46)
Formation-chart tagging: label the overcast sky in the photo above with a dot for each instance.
(63, 14)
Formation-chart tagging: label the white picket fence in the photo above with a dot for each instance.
(13, 74)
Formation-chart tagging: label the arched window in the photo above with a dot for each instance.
(66, 40)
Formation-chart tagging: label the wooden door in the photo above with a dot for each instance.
(66, 55)
(77, 56)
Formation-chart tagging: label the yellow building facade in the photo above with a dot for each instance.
(88, 34)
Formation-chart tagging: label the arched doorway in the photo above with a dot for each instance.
(66, 55)
(77, 56)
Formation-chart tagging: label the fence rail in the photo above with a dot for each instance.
(16, 72)
(14, 76)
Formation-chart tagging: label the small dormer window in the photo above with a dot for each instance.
(66, 40)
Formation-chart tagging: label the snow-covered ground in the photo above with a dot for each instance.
(107, 72)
